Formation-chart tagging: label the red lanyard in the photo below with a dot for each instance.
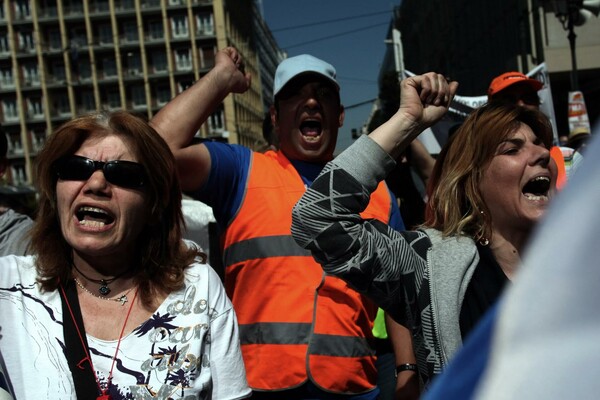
(104, 392)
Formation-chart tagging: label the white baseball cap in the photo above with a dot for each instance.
(292, 67)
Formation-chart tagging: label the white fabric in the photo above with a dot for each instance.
(546, 345)
(189, 348)
(197, 216)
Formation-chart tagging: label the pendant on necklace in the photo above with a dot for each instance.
(104, 289)
(123, 299)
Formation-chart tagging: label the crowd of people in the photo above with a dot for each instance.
(103, 297)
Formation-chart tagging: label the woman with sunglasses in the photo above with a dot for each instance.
(114, 304)
(490, 185)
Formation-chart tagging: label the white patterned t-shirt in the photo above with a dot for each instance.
(188, 348)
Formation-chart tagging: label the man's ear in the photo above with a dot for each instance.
(3, 166)
(274, 119)
(342, 115)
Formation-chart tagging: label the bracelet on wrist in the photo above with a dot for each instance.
(406, 367)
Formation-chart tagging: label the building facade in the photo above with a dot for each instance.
(472, 41)
(63, 58)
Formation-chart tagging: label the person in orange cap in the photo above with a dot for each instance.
(517, 88)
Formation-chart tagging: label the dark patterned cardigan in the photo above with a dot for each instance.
(418, 277)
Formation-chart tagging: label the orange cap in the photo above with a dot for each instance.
(510, 78)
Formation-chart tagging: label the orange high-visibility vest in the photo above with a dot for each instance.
(295, 322)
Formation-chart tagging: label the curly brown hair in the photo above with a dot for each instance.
(455, 204)
(162, 255)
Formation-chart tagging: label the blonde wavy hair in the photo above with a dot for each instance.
(455, 205)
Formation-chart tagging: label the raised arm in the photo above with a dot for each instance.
(424, 99)
(368, 254)
(180, 119)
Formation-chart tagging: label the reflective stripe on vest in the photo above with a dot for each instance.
(263, 247)
(295, 322)
(293, 333)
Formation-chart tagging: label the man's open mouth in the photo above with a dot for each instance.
(311, 129)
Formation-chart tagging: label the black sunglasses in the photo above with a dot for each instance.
(127, 174)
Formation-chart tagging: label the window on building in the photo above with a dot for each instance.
(34, 107)
(15, 145)
(130, 31)
(88, 103)
(85, 69)
(19, 176)
(127, 4)
(113, 100)
(159, 61)
(138, 96)
(109, 66)
(54, 42)
(77, 37)
(31, 75)
(48, 7)
(134, 63)
(9, 108)
(22, 9)
(6, 78)
(163, 95)
(26, 40)
(4, 43)
(58, 71)
(179, 26)
(183, 59)
(38, 138)
(155, 30)
(215, 122)
(205, 24)
(61, 104)
(105, 34)
(73, 6)
(101, 5)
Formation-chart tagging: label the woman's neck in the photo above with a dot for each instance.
(507, 250)
(99, 267)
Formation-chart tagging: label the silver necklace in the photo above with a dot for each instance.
(121, 299)
(103, 289)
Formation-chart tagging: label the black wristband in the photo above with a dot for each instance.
(406, 367)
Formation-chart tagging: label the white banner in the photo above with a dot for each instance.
(464, 105)
(461, 105)
(545, 94)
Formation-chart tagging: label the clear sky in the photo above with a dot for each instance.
(352, 38)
